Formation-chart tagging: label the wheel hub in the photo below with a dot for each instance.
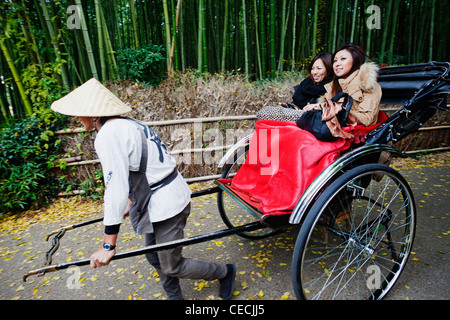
(357, 244)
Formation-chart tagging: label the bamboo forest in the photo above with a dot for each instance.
(51, 46)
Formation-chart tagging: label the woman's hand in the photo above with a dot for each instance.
(313, 106)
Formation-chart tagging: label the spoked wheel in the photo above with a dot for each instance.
(231, 212)
(357, 237)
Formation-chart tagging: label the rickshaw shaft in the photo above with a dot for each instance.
(157, 247)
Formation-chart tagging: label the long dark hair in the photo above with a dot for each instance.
(359, 58)
(327, 61)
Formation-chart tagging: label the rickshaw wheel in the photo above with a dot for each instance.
(356, 239)
(231, 212)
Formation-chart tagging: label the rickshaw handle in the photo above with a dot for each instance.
(157, 247)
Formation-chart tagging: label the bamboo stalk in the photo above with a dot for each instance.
(244, 30)
(51, 31)
(167, 32)
(16, 76)
(200, 40)
(283, 36)
(263, 38)
(316, 13)
(110, 52)
(100, 40)
(385, 31)
(225, 36)
(87, 40)
(294, 36)
(173, 38)
(355, 13)
(204, 48)
(393, 30)
(433, 10)
(272, 38)
(133, 19)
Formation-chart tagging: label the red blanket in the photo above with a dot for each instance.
(282, 162)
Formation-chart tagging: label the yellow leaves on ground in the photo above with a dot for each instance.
(61, 210)
(425, 161)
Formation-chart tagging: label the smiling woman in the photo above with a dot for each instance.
(320, 72)
(343, 63)
(358, 78)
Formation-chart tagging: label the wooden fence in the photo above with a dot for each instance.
(438, 127)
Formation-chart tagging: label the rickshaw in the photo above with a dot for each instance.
(357, 217)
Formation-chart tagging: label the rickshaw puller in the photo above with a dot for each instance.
(140, 180)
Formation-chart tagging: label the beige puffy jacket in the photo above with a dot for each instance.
(363, 87)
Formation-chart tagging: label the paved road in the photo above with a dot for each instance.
(264, 266)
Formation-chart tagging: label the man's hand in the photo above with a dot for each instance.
(126, 213)
(101, 257)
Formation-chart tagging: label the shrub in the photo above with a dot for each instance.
(28, 151)
(143, 65)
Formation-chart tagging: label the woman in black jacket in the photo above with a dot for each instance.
(320, 72)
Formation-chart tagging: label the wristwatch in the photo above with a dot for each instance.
(108, 246)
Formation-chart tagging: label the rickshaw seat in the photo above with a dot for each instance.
(276, 194)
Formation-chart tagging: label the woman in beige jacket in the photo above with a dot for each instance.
(358, 78)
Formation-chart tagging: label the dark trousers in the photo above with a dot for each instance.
(170, 264)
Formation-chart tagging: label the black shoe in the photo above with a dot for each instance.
(227, 283)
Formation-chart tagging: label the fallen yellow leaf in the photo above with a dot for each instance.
(260, 294)
(285, 296)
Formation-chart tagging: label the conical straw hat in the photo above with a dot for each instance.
(91, 99)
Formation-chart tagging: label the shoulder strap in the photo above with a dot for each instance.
(144, 155)
(346, 105)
